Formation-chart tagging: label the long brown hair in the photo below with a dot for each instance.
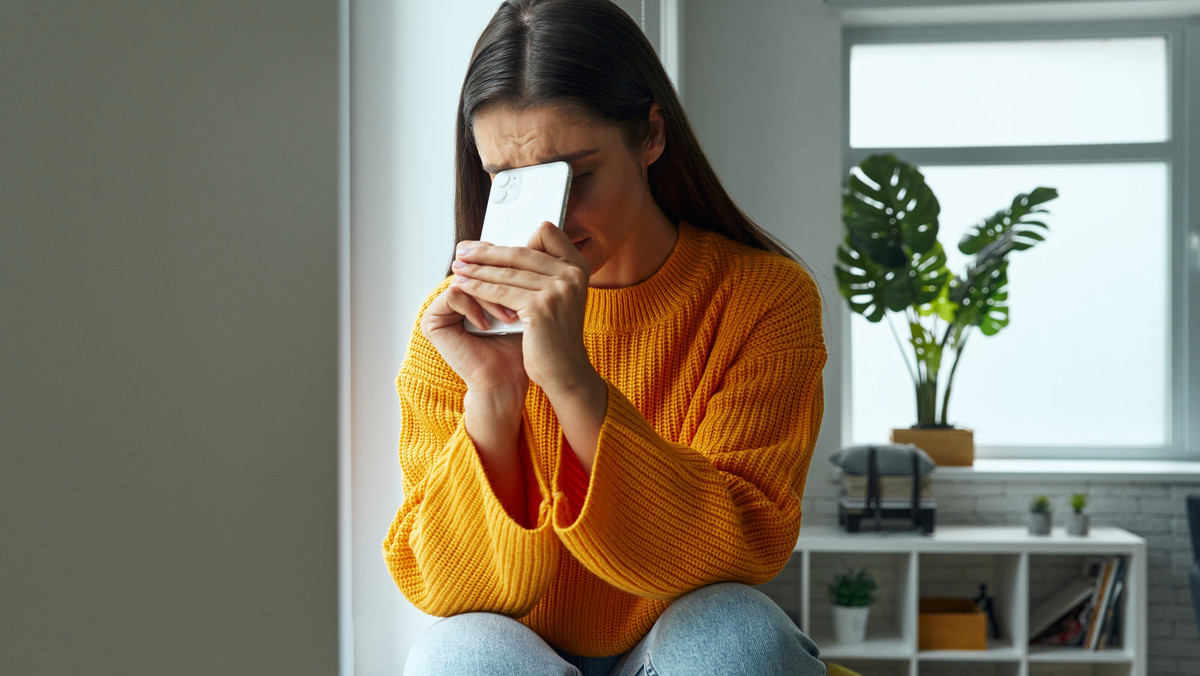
(589, 55)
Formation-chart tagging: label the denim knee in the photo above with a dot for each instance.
(483, 643)
(729, 628)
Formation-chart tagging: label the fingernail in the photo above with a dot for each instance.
(458, 264)
(463, 251)
(459, 279)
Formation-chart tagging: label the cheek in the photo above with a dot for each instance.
(585, 209)
(599, 202)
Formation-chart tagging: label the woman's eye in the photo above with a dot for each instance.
(581, 178)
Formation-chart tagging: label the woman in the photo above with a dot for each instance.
(596, 494)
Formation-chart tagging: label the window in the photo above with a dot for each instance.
(1095, 360)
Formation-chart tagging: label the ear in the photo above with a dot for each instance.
(656, 140)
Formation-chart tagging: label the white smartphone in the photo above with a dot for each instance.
(520, 200)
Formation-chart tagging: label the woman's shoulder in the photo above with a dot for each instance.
(437, 291)
(765, 274)
(422, 359)
(768, 295)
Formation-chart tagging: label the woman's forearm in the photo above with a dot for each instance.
(493, 421)
(581, 407)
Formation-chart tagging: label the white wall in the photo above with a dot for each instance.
(168, 327)
(407, 63)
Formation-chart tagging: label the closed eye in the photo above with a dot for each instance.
(581, 178)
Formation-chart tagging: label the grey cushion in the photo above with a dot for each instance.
(891, 459)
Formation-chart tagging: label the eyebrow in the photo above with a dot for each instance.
(570, 157)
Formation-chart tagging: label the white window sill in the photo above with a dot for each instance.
(1127, 471)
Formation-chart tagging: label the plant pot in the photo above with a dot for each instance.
(949, 447)
(1039, 524)
(1077, 523)
(850, 623)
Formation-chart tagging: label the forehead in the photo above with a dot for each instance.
(508, 138)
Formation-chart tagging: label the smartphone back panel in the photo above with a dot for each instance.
(520, 200)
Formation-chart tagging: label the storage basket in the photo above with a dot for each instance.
(951, 624)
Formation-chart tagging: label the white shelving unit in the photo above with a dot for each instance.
(954, 561)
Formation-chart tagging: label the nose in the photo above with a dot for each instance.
(570, 225)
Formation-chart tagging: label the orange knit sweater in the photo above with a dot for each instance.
(714, 404)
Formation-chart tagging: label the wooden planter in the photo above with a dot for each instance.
(948, 447)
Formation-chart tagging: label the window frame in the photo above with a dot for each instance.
(1180, 152)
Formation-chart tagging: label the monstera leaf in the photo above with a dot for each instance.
(982, 298)
(890, 258)
(887, 207)
(981, 293)
(871, 289)
(1011, 226)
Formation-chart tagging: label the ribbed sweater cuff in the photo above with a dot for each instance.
(504, 566)
(633, 470)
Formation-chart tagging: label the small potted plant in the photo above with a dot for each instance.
(852, 595)
(1077, 524)
(1039, 516)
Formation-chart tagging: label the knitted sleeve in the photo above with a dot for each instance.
(452, 547)
(663, 518)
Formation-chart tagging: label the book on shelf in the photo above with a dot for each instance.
(1059, 604)
(1067, 630)
(1110, 620)
(890, 487)
(1084, 612)
(1110, 635)
(1104, 586)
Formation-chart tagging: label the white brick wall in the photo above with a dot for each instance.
(1153, 511)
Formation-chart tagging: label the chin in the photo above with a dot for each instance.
(594, 265)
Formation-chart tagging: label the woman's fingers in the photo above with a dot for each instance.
(525, 280)
(556, 243)
(519, 258)
(461, 304)
(503, 295)
(497, 275)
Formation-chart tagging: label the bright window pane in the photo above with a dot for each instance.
(1008, 93)
(1084, 360)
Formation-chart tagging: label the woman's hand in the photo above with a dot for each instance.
(487, 364)
(545, 284)
(496, 384)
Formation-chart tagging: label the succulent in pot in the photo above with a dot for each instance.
(852, 594)
(1039, 516)
(1078, 521)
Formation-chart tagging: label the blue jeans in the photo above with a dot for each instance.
(724, 629)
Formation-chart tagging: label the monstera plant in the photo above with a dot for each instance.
(892, 262)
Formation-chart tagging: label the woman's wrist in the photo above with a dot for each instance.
(503, 401)
(493, 417)
(493, 422)
(581, 408)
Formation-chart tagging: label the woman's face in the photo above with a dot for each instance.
(611, 216)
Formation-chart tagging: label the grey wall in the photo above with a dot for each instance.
(168, 325)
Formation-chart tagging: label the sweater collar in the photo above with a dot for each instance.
(653, 299)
